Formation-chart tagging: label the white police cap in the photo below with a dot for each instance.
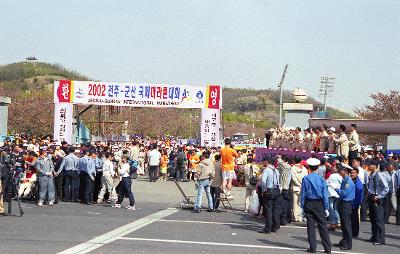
(313, 162)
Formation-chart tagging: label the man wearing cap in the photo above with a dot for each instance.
(378, 189)
(314, 201)
(270, 188)
(346, 196)
(354, 142)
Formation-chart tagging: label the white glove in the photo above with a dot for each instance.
(326, 213)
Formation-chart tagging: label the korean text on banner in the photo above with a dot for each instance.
(214, 99)
(210, 126)
(62, 91)
(63, 115)
(137, 95)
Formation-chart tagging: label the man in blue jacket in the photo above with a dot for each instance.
(346, 196)
(314, 201)
(358, 199)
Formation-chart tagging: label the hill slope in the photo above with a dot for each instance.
(30, 87)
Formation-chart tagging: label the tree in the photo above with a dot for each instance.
(385, 106)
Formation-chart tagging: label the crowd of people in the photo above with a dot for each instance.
(334, 192)
(321, 139)
(48, 173)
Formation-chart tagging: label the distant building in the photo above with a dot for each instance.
(31, 59)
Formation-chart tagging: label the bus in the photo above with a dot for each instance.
(240, 137)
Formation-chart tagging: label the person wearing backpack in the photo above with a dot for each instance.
(125, 185)
(250, 178)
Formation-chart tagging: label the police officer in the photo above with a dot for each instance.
(71, 175)
(388, 172)
(270, 187)
(98, 161)
(377, 191)
(88, 169)
(314, 201)
(396, 186)
(346, 197)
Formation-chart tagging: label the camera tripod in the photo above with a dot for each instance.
(10, 190)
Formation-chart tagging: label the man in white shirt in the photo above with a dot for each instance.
(154, 163)
(298, 173)
(342, 143)
(354, 143)
(107, 177)
(363, 175)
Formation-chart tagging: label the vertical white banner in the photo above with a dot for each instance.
(63, 116)
(210, 127)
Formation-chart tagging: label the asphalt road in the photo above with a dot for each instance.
(159, 226)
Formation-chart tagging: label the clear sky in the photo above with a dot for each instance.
(232, 43)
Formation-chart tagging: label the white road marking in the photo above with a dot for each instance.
(227, 244)
(115, 234)
(225, 223)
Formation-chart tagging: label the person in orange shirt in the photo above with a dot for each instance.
(194, 160)
(164, 165)
(228, 155)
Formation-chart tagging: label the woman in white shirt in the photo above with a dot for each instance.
(125, 188)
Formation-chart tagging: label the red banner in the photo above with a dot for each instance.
(64, 91)
(214, 97)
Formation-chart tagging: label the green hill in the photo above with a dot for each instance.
(30, 87)
(25, 70)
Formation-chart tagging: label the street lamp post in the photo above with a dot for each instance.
(281, 95)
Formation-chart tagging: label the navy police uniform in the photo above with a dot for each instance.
(346, 196)
(314, 201)
(378, 189)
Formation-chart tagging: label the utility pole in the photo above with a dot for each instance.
(281, 95)
(326, 88)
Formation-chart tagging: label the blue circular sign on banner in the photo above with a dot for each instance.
(199, 95)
